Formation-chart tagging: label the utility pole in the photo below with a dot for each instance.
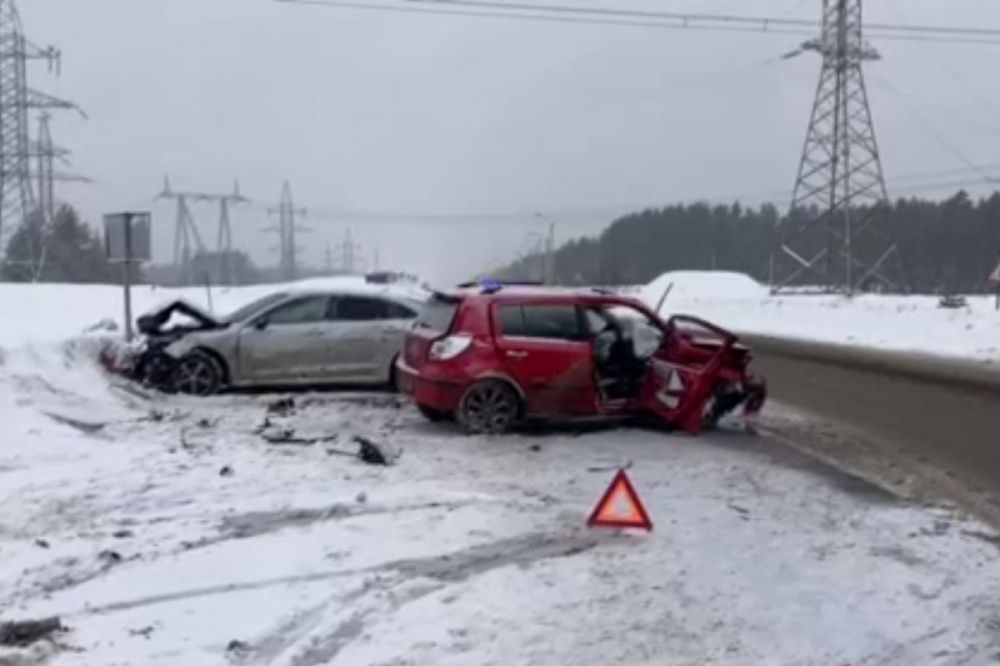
(840, 171)
(328, 266)
(17, 101)
(549, 260)
(287, 229)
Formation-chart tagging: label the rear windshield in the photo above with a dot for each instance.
(437, 313)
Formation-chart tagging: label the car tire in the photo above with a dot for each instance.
(490, 406)
(393, 383)
(434, 415)
(197, 373)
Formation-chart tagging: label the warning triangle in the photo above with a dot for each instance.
(620, 507)
(676, 384)
(995, 275)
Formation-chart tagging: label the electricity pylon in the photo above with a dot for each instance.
(288, 228)
(840, 187)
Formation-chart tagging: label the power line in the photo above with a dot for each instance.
(657, 19)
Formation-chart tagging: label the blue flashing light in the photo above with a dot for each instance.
(490, 286)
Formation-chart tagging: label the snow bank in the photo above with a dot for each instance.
(898, 323)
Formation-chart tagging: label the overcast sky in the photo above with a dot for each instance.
(371, 111)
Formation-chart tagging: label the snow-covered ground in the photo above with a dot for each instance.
(900, 323)
(165, 530)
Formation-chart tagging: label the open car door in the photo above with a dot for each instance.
(684, 371)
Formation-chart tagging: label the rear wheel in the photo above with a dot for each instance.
(199, 374)
(490, 406)
(433, 415)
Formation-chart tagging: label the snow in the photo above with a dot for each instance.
(466, 551)
(898, 323)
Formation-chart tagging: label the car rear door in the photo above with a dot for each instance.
(287, 344)
(366, 337)
(544, 347)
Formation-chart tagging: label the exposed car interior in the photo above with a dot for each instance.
(622, 346)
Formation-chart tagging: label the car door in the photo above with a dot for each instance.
(288, 343)
(360, 327)
(544, 347)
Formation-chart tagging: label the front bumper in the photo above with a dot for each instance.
(435, 392)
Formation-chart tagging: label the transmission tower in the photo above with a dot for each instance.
(185, 230)
(840, 187)
(288, 228)
(349, 251)
(47, 153)
(17, 100)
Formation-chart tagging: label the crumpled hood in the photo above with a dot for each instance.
(153, 321)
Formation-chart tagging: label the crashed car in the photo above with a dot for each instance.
(495, 355)
(283, 339)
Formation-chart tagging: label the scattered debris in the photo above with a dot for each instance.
(535, 447)
(237, 646)
(145, 632)
(208, 423)
(372, 453)
(110, 556)
(283, 407)
(21, 634)
(41, 543)
(362, 497)
(123, 534)
(952, 302)
(288, 436)
(611, 468)
(226, 471)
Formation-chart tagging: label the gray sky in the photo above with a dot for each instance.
(374, 111)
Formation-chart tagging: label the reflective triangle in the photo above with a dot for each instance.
(620, 507)
(675, 384)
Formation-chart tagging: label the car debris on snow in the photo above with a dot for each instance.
(24, 633)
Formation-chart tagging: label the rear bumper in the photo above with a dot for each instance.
(435, 392)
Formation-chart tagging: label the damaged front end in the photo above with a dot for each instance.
(145, 359)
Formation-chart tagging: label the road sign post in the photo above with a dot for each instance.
(127, 241)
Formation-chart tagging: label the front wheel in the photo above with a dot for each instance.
(490, 406)
(198, 374)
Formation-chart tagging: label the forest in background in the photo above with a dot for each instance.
(942, 246)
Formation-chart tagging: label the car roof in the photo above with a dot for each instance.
(525, 294)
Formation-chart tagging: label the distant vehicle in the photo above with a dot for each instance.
(304, 337)
(492, 356)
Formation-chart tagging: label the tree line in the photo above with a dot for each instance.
(942, 246)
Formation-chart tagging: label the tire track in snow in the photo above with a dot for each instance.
(309, 640)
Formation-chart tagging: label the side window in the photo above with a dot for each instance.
(301, 311)
(559, 322)
(360, 308)
(551, 322)
(511, 320)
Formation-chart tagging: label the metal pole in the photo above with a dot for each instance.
(127, 277)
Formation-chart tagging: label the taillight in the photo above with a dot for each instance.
(448, 348)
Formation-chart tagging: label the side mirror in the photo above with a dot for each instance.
(260, 324)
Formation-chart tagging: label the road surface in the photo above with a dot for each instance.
(945, 425)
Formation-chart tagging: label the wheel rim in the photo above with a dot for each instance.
(490, 408)
(196, 377)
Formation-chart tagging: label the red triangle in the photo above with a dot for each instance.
(605, 514)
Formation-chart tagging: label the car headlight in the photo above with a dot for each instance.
(448, 348)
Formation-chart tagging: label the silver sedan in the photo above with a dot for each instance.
(295, 338)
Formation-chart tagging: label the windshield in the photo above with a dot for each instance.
(253, 307)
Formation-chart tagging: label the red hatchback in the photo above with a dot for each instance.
(494, 355)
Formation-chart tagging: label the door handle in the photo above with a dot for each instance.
(517, 354)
